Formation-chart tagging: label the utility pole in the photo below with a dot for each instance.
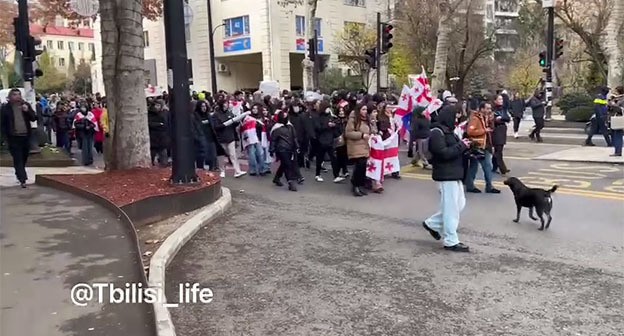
(183, 169)
(550, 43)
(378, 53)
(213, 68)
(25, 44)
(317, 60)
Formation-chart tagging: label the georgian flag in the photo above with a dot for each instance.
(405, 102)
(383, 158)
(248, 131)
(422, 90)
(237, 107)
(432, 107)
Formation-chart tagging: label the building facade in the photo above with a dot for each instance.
(503, 15)
(254, 40)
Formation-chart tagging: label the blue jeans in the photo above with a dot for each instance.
(446, 220)
(255, 154)
(486, 165)
(616, 137)
(86, 148)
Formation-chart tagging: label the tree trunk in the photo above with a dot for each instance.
(122, 71)
(308, 65)
(441, 55)
(614, 53)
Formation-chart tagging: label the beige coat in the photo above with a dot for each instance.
(357, 146)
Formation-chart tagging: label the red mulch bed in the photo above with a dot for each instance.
(124, 187)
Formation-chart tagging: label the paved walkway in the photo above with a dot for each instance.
(51, 241)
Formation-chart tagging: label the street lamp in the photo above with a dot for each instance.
(213, 77)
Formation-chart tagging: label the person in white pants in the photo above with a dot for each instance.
(225, 130)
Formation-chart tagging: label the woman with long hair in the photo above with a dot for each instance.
(357, 133)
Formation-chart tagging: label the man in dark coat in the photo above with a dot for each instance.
(538, 106)
(15, 118)
(159, 134)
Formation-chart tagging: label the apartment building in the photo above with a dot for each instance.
(255, 40)
(503, 15)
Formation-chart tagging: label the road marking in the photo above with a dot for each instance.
(598, 169)
(565, 191)
(588, 175)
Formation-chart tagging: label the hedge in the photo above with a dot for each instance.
(580, 113)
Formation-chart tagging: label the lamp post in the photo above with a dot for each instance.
(183, 168)
(213, 70)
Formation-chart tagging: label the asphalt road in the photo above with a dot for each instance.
(596, 180)
(321, 262)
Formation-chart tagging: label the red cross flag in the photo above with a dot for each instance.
(405, 102)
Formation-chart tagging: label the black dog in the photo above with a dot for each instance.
(531, 198)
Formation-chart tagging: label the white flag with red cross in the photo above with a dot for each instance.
(374, 165)
(248, 131)
(405, 105)
(391, 162)
(422, 90)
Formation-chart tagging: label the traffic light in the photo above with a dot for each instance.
(542, 59)
(322, 64)
(386, 37)
(19, 36)
(312, 49)
(558, 48)
(371, 58)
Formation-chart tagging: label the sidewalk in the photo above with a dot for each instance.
(584, 154)
(8, 179)
(51, 241)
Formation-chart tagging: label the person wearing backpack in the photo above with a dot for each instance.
(479, 131)
(86, 126)
(447, 153)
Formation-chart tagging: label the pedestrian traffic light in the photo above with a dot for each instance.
(312, 49)
(370, 56)
(386, 37)
(32, 44)
(558, 48)
(542, 59)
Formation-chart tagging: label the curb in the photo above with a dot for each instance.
(170, 247)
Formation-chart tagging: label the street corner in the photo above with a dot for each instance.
(584, 154)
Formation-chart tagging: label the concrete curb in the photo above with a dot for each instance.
(168, 250)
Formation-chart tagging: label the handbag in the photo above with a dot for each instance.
(339, 141)
(617, 122)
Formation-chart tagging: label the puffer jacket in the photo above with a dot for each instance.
(357, 146)
(499, 135)
(447, 150)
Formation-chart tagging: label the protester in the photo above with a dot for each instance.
(517, 112)
(340, 144)
(616, 108)
(324, 128)
(447, 152)
(212, 147)
(159, 134)
(599, 125)
(61, 124)
(251, 136)
(98, 141)
(86, 126)
(420, 134)
(537, 104)
(499, 135)
(284, 147)
(225, 128)
(479, 131)
(357, 133)
(15, 130)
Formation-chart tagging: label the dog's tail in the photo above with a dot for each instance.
(553, 189)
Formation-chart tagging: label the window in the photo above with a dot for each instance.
(317, 26)
(59, 45)
(80, 46)
(300, 25)
(357, 3)
(508, 6)
(61, 62)
(91, 47)
(50, 44)
(70, 45)
(146, 38)
(187, 32)
(238, 26)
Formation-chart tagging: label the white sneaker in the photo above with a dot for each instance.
(516, 135)
(222, 174)
(339, 179)
(318, 179)
(346, 174)
(239, 174)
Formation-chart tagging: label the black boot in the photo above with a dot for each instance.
(357, 192)
(292, 185)
(277, 182)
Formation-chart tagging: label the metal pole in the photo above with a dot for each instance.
(27, 70)
(550, 43)
(213, 67)
(315, 68)
(183, 152)
(378, 52)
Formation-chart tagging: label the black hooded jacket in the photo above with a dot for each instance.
(446, 148)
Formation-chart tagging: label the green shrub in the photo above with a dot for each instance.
(574, 99)
(580, 113)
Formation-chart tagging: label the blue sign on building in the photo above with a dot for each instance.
(302, 45)
(238, 44)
